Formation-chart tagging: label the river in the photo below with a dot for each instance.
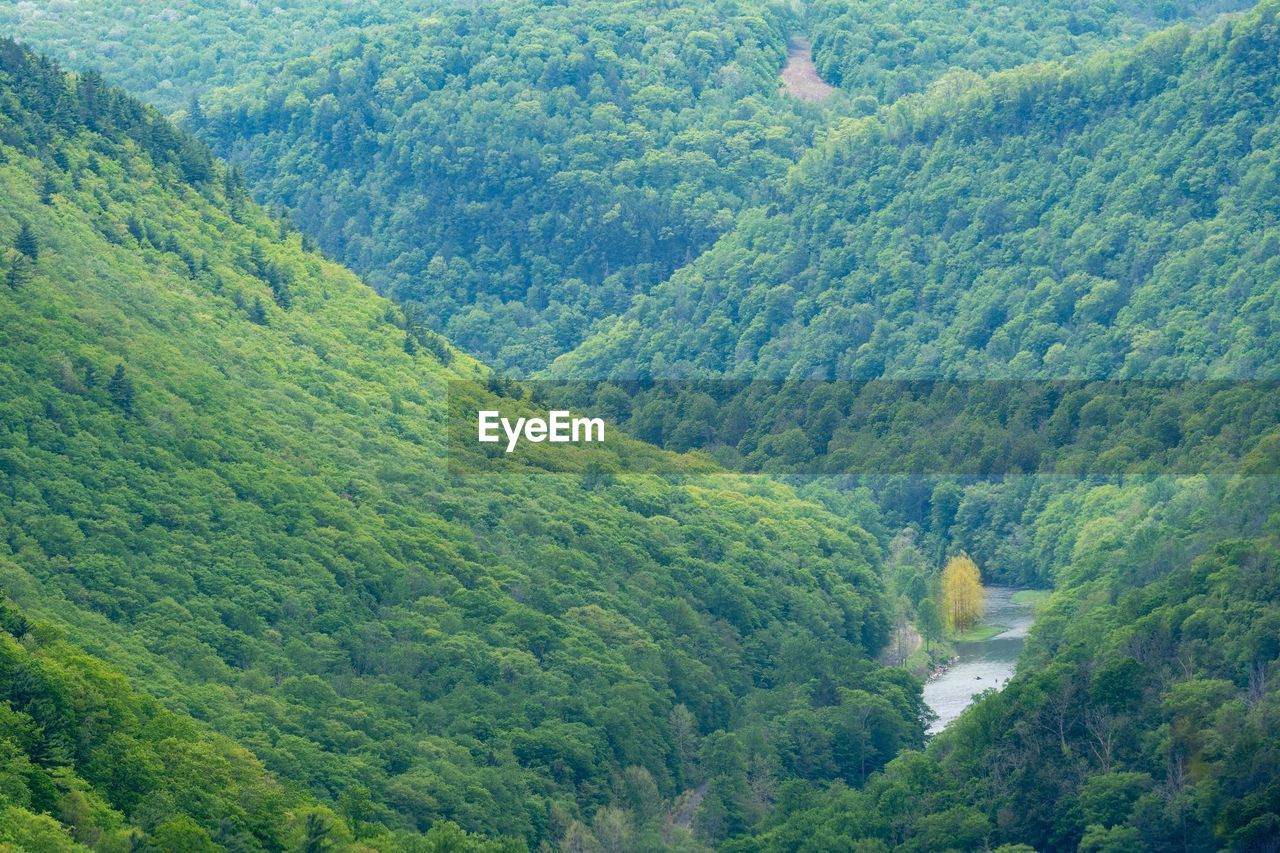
(984, 664)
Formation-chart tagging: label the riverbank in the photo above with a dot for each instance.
(984, 657)
(980, 632)
(1036, 598)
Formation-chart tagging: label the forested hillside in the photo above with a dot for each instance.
(254, 594)
(962, 465)
(1143, 715)
(87, 762)
(177, 51)
(518, 172)
(224, 476)
(882, 51)
(1114, 217)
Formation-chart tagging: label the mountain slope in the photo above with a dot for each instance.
(520, 172)
(887, 51)
(184, 49)
(79, 750)
(1114, 217)
(516, 170)
(1141, 716)
(224, 473)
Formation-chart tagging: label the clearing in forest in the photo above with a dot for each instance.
(800, 76)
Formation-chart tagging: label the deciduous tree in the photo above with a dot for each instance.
(961, 593)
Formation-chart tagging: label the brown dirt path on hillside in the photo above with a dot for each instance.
(800, 76)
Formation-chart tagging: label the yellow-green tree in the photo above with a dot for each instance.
(961, 593)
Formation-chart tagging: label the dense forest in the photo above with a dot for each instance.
(518, 172)
(184, 49)
(1143, 715)
(960, 464)
(881, 52)
(1002, 309)
(224, 475)
(1111, 218)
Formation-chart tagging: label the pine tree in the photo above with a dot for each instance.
(195, 115)
(258, 261)
(278, 278)
(120, 389)
(439, 348)
(47, 189)
(258, 311)
(26, 242)
(135, 228)
(410, 345)
(19, 274)
(317, 831)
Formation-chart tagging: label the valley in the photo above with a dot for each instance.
(980, 665)
(925, 336)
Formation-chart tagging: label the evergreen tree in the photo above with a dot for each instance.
(19, 274)
(278, 279)
(316, 839)
(410, 345)
(120, 388)
(258, 311)
(26, 242)
(195, 115)
(47, 189)
(135, 228)
(282, 294)
(258, 261)
(439, 348)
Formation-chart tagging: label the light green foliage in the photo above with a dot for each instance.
(176, 50)
(517, 170)
(254, 521)
(80, 750)
(222, 461)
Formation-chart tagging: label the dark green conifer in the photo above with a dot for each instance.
(26, 242)
(120, 389)
(258, 311)
(19, 274)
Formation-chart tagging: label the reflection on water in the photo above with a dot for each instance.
(985, 664)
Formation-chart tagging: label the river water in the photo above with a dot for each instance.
(984, 664)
